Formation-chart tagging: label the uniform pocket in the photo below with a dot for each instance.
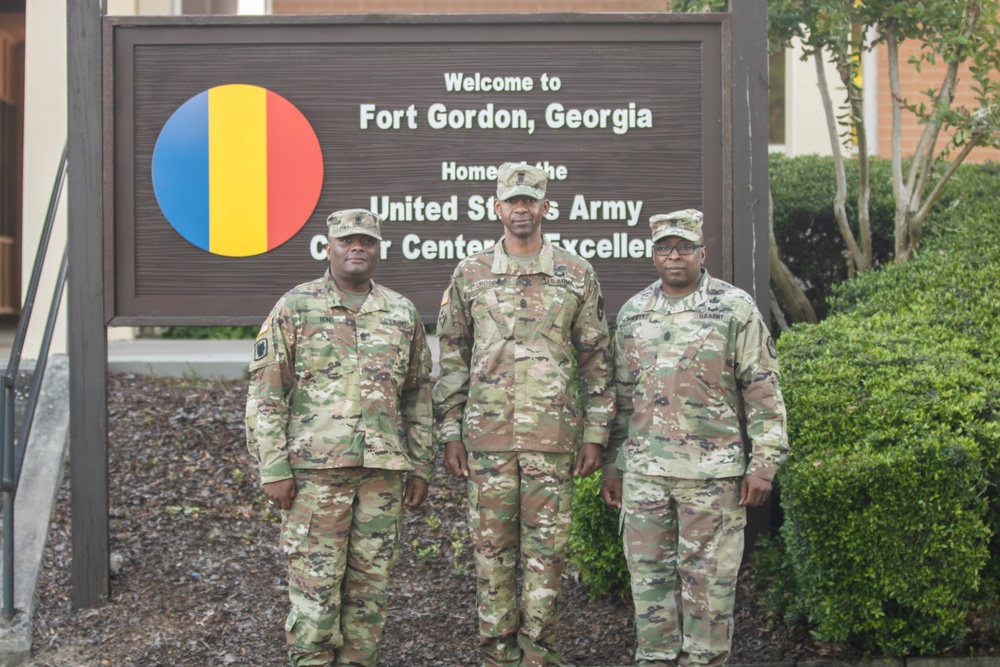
(691, 351)
(296, 530)
(730, 548)
(564, 518)
(489, 320)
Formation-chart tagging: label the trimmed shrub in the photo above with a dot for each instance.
(887, 545)
(894, 424)
(805, 228)
(211, 333)
(595, 544)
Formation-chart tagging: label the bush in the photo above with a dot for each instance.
(595, 544)
(886, 545)
(211, 333)
(894, 424)
(805, 228)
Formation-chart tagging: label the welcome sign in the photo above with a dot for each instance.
(234, 139)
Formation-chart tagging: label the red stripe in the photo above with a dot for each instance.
(294, 170)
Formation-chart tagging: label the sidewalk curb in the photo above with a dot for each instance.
(33, 506)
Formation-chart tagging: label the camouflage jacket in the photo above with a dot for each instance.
(330, 388)
(681, 371)
(508, 339)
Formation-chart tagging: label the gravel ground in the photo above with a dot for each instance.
(198, 579)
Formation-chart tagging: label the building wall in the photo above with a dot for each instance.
(805, 121)
(912, 85)
(45, 128)
(140, 7)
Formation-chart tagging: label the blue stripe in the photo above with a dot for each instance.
(180, 170)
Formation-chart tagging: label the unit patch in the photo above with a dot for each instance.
(260, 349)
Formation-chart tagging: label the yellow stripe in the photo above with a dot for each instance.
(237, 161)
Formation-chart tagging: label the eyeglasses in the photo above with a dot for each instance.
(684, 249)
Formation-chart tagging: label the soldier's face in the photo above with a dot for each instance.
(353, 259)
(522, 216)
(679, 274)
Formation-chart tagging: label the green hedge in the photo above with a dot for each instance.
(809, 242)
(894, 423)
(805, 228)
(211, 333)
(595, 546)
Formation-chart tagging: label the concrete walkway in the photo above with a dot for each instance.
(193, 358)
(181, 358)
(33, 505)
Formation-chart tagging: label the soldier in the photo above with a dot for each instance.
(692, 358)
(507, 408)
(338, 408)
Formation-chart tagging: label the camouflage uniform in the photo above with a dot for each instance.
(685, 369)
(508, 338)
(340, 401)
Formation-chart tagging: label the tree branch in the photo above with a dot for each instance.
(899, 189)
(839, 201)
(793, 297)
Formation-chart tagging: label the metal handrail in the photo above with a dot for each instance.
(13, 451)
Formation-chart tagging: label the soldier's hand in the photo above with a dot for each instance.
(280, 493)
(456, 461)
(588, 459)
(416, 491)
(754, 491)
(611, 492)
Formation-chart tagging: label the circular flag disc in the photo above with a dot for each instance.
(237, 170)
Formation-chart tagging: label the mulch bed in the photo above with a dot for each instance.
(199, 580)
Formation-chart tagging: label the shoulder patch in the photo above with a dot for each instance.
(260, 349)
(446, 298)
(264, 328)
(771, 348)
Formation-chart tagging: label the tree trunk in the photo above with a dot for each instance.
(900, 193)
(840, 199)
(911, 207)
(856, 98)
(792, 297)
(778, 314)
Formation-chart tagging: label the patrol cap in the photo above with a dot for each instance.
(686, 224)
(515, 179)
(354, 221)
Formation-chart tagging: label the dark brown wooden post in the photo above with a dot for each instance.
(750, 177)
(88, 348)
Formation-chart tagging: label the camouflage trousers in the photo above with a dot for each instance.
(683, 542)
(341, 536)
(520, 506)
